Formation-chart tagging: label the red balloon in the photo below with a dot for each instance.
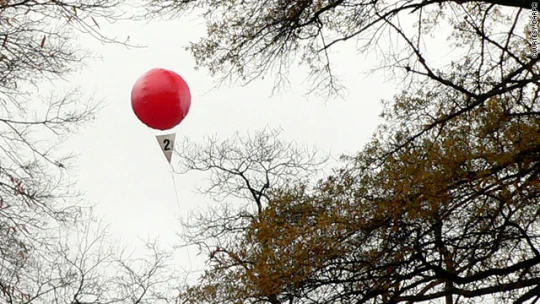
(161, 99)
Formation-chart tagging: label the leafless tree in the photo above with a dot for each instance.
(242, 171)
(41, 216)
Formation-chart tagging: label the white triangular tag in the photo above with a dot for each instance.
(166, 142)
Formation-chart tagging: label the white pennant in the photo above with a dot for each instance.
(166, 142)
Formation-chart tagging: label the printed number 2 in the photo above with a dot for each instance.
(167, 145)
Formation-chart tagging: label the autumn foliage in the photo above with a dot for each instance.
(442, 203)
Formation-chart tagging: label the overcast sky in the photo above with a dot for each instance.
(120, 165)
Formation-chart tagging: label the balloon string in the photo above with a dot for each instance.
(175, 191)
(179, 213)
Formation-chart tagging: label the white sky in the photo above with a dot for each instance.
(121, 167)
